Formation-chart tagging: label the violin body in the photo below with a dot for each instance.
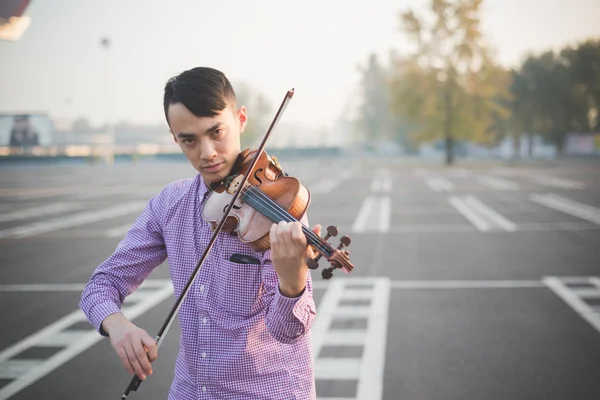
(268, 196)
(249, 224)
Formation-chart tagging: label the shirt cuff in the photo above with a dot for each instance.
(100, 312)
(293, 314)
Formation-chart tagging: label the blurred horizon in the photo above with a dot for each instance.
(58, 66)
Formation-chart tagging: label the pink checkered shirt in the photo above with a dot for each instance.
(241, 338)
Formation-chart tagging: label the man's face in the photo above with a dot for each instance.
(211, 144)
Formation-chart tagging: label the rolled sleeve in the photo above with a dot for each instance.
(99, 312)
(292, 316)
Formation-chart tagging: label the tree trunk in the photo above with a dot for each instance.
(448, 125)
(516, 147)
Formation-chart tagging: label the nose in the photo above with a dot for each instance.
(207, 151)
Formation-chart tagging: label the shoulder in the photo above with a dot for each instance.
(173, 194)
(178, 189)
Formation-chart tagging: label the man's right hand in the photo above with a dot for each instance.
(134, 346)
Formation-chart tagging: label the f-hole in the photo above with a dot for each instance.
(234, 206)
(256, 176)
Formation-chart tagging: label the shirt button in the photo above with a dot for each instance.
(203, 355)
(204, 388)
(204, 320)
(201, 288)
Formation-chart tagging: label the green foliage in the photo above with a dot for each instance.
(449, 86)
(555, 93)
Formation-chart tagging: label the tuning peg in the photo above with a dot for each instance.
(327, 273)
(313, 263)
(344, 242)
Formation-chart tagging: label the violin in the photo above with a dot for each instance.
(270, 196)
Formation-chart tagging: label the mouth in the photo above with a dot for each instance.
(213, 167)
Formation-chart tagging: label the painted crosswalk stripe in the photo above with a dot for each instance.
(498, 183)
(23, 374)
(83, 218)
(374, 215)
(575, 208)
(479, 214)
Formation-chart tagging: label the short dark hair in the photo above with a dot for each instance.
(202, 90)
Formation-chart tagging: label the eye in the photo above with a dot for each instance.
(218, 132)
(188, 141)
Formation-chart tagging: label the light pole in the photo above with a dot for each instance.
(105, 43)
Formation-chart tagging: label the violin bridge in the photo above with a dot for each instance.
(275, 162)
(234, 184)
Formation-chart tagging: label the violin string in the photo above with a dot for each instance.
(270, 205)
(283, 214)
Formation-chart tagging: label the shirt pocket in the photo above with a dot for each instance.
(239, 287)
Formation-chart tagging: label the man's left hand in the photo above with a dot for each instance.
(289, 251)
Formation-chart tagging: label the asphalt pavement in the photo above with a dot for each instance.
(478, 281)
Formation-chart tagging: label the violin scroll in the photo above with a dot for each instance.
(337, 257)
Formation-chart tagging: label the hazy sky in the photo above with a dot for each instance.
(313, 46)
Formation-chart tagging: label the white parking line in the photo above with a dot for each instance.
(460, 205)
(326, 185)
(83, 218)
(558, 182)
(374, 215)
(498, 183)
(481, 215)
(382, 181)
(54, 334)
(39, 211)
(579, 210)
(367, 370)
(575, 301)
(439, 184)
(490, 214)
(118, 231)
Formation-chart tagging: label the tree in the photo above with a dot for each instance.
(548, 98)
(449, 86)
(583, 62)
(374, 110)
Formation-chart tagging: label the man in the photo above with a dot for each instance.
(246, 321)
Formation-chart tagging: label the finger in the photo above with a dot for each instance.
(142, 357)
(297, 236)
(134, 361)
(283, 232)
(124, 359)
(273, 238)
(317, 229)
(151, 348)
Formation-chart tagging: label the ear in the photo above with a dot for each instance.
(242, 118)
(174, 137)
